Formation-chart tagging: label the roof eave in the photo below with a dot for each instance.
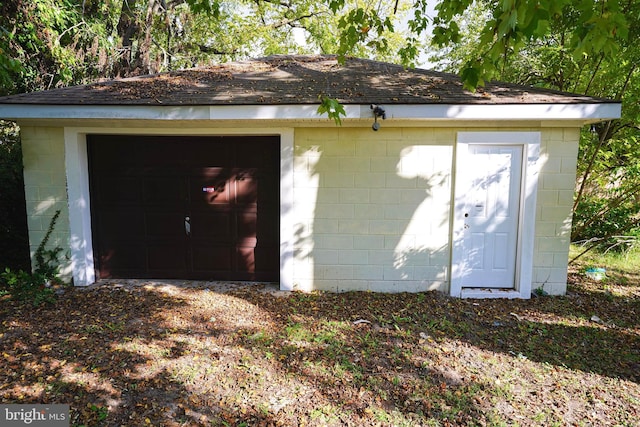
(587, 112)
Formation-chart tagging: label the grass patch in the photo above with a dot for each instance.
(618, 263)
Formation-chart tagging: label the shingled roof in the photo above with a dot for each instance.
(290, 80)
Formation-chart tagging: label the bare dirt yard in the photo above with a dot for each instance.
(170, 354)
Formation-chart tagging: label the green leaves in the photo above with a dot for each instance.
(208, 7)
(25, 286)
(336, 5)
(360, 25)
(600, 32)
(598, 28)
(471, 77)
(332, 108)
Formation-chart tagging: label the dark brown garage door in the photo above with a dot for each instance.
(185, 207)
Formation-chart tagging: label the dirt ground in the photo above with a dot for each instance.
(141, 353)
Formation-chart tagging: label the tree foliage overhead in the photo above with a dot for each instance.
(48, 43)
(591, 28)
(51, 43)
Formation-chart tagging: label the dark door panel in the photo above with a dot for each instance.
(214, 227)
(185, 207)
(117, 191)
(165, 225)
(210, 261)
(122, 224)
(122, 260)
(163, 257)
(166, 192)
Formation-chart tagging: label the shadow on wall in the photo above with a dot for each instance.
(380, 216)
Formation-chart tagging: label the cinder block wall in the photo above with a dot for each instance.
(558, 154)
(45, 189)
(372, 209)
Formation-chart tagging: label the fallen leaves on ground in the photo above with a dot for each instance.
(168, 355)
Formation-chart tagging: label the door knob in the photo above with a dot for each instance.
(466, 214)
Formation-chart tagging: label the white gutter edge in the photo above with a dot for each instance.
(592, 111)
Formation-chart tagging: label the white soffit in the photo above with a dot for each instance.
(592, 111)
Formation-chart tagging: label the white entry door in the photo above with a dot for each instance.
(488, 211)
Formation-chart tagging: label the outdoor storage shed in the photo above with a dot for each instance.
(229, 173)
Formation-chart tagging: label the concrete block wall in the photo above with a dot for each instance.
(45, 189)
(558, 156)
(372, 209)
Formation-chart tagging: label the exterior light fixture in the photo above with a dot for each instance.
(377, 112)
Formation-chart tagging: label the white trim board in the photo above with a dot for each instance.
(77, 170)
(526, 228)
(553, 112)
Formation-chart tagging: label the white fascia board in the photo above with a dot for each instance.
(587, 112)
(140, 112)
(594, 111)
(275, 112)
(105, 112)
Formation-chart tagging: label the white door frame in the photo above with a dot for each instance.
(530, 141)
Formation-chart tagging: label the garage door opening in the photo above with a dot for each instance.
(174, 207)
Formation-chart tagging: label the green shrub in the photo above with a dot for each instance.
(606, 225)
(36, 286)
(47, 260)
(24, 286)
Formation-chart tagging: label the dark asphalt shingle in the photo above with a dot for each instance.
(280, 80)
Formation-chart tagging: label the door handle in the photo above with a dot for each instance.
(187, 225)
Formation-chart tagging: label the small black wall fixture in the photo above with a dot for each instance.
(377, 112)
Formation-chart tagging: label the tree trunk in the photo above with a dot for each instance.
(145, 44)
(128, 30)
